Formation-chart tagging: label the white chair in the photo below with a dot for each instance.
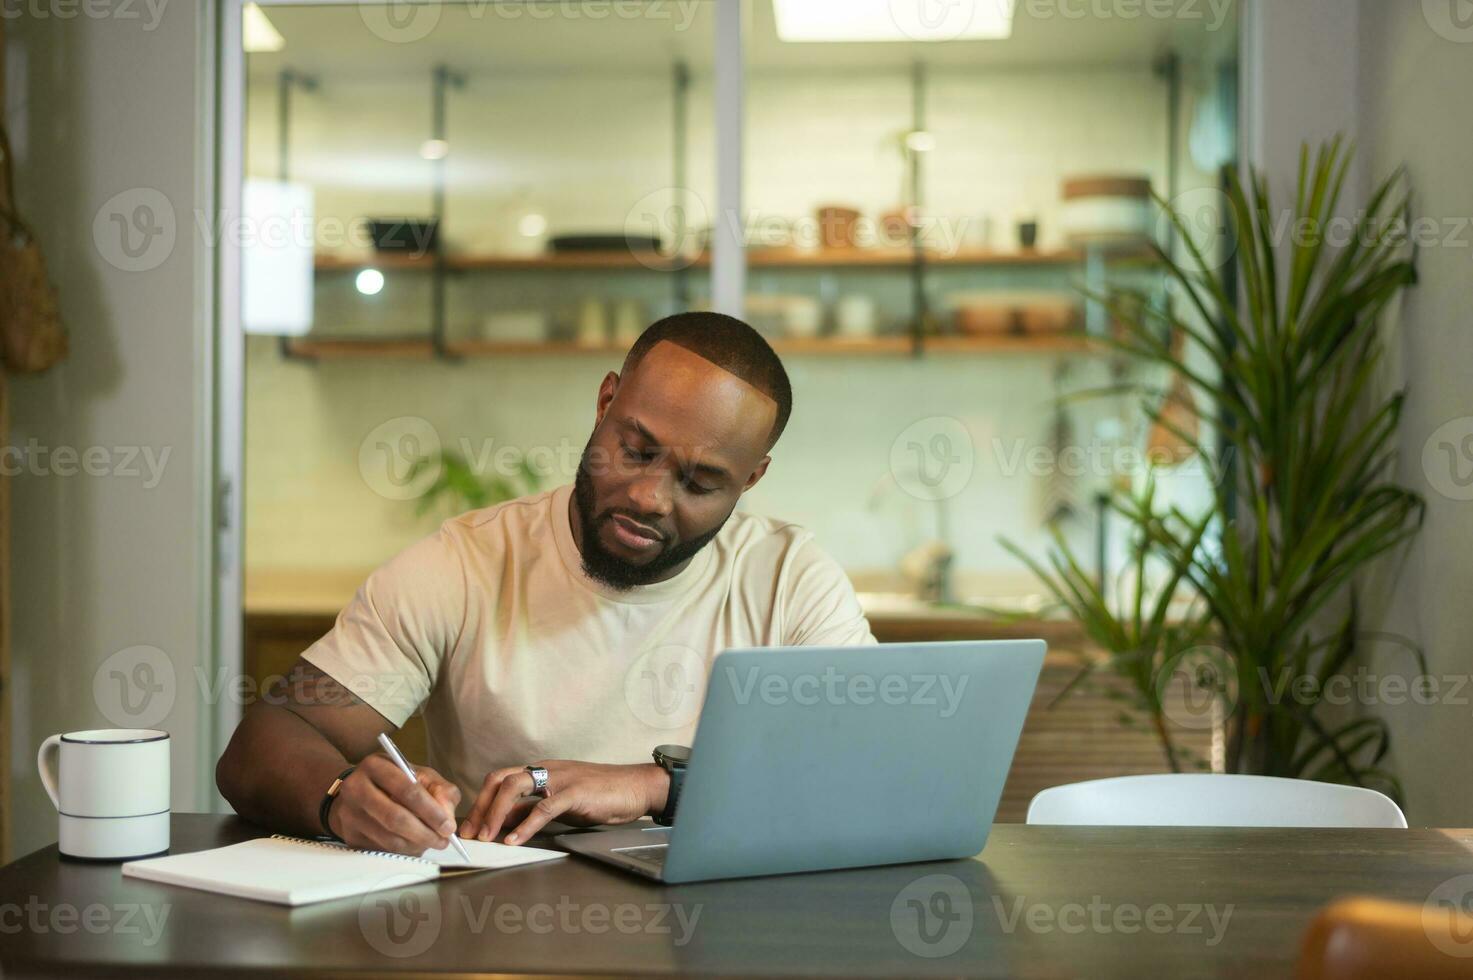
(1208, 800)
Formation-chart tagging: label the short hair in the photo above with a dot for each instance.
(729, 344)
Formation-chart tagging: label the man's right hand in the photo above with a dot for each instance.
(379, 808)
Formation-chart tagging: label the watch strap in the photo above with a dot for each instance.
(666, 817)
(327, 801)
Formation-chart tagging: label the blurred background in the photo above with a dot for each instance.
(445, 223)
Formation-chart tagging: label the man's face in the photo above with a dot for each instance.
(676, 443)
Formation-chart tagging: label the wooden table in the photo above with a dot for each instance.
(1038, 902)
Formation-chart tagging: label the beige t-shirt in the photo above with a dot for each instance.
(517, 655)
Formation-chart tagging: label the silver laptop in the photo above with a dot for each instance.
(810, 758)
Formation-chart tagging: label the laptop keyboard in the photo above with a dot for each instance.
(651, 854)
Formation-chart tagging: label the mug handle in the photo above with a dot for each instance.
(46, 764)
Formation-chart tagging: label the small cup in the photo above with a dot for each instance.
(110, 787)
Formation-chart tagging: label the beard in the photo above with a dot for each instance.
(601, 564)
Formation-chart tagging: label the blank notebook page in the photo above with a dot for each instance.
(283, 870)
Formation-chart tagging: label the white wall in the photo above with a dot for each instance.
(104, 563)
(1414, 84)
(1394, 77)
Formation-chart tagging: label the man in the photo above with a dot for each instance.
(575, 627)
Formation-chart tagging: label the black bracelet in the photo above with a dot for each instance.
(332, 794)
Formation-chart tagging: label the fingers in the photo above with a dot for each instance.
(548, 808)
(476, 819)
(365, 816)
(446, 793)
(511, 789)
(407, 809)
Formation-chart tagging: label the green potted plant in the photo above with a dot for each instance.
(1264, 581)
(459, 487)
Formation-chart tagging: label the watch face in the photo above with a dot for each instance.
(672, 755)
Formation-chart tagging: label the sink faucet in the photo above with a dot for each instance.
(928, 566)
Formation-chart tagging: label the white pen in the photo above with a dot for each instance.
(398, 758)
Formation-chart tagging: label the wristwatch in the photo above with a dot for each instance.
(332, 794)
(673, 759)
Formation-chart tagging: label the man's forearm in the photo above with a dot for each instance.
(276, 769)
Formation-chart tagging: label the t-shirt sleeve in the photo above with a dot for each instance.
(388, 644)
(821, 607)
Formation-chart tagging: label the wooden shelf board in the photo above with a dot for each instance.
(325, 348)
(339, 349)
(773, 258)
(1062, 343)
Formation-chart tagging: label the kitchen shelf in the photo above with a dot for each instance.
(784, 258)
(348, 349)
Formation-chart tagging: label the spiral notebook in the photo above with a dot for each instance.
(295, 871)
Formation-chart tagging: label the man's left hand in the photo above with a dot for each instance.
(580, 793)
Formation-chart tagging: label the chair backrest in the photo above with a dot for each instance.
(1209, 800)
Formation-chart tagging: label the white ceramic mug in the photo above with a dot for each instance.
(110, 787)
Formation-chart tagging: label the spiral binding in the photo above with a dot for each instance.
(354, 850)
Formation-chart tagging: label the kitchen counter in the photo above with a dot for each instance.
(893, 615)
